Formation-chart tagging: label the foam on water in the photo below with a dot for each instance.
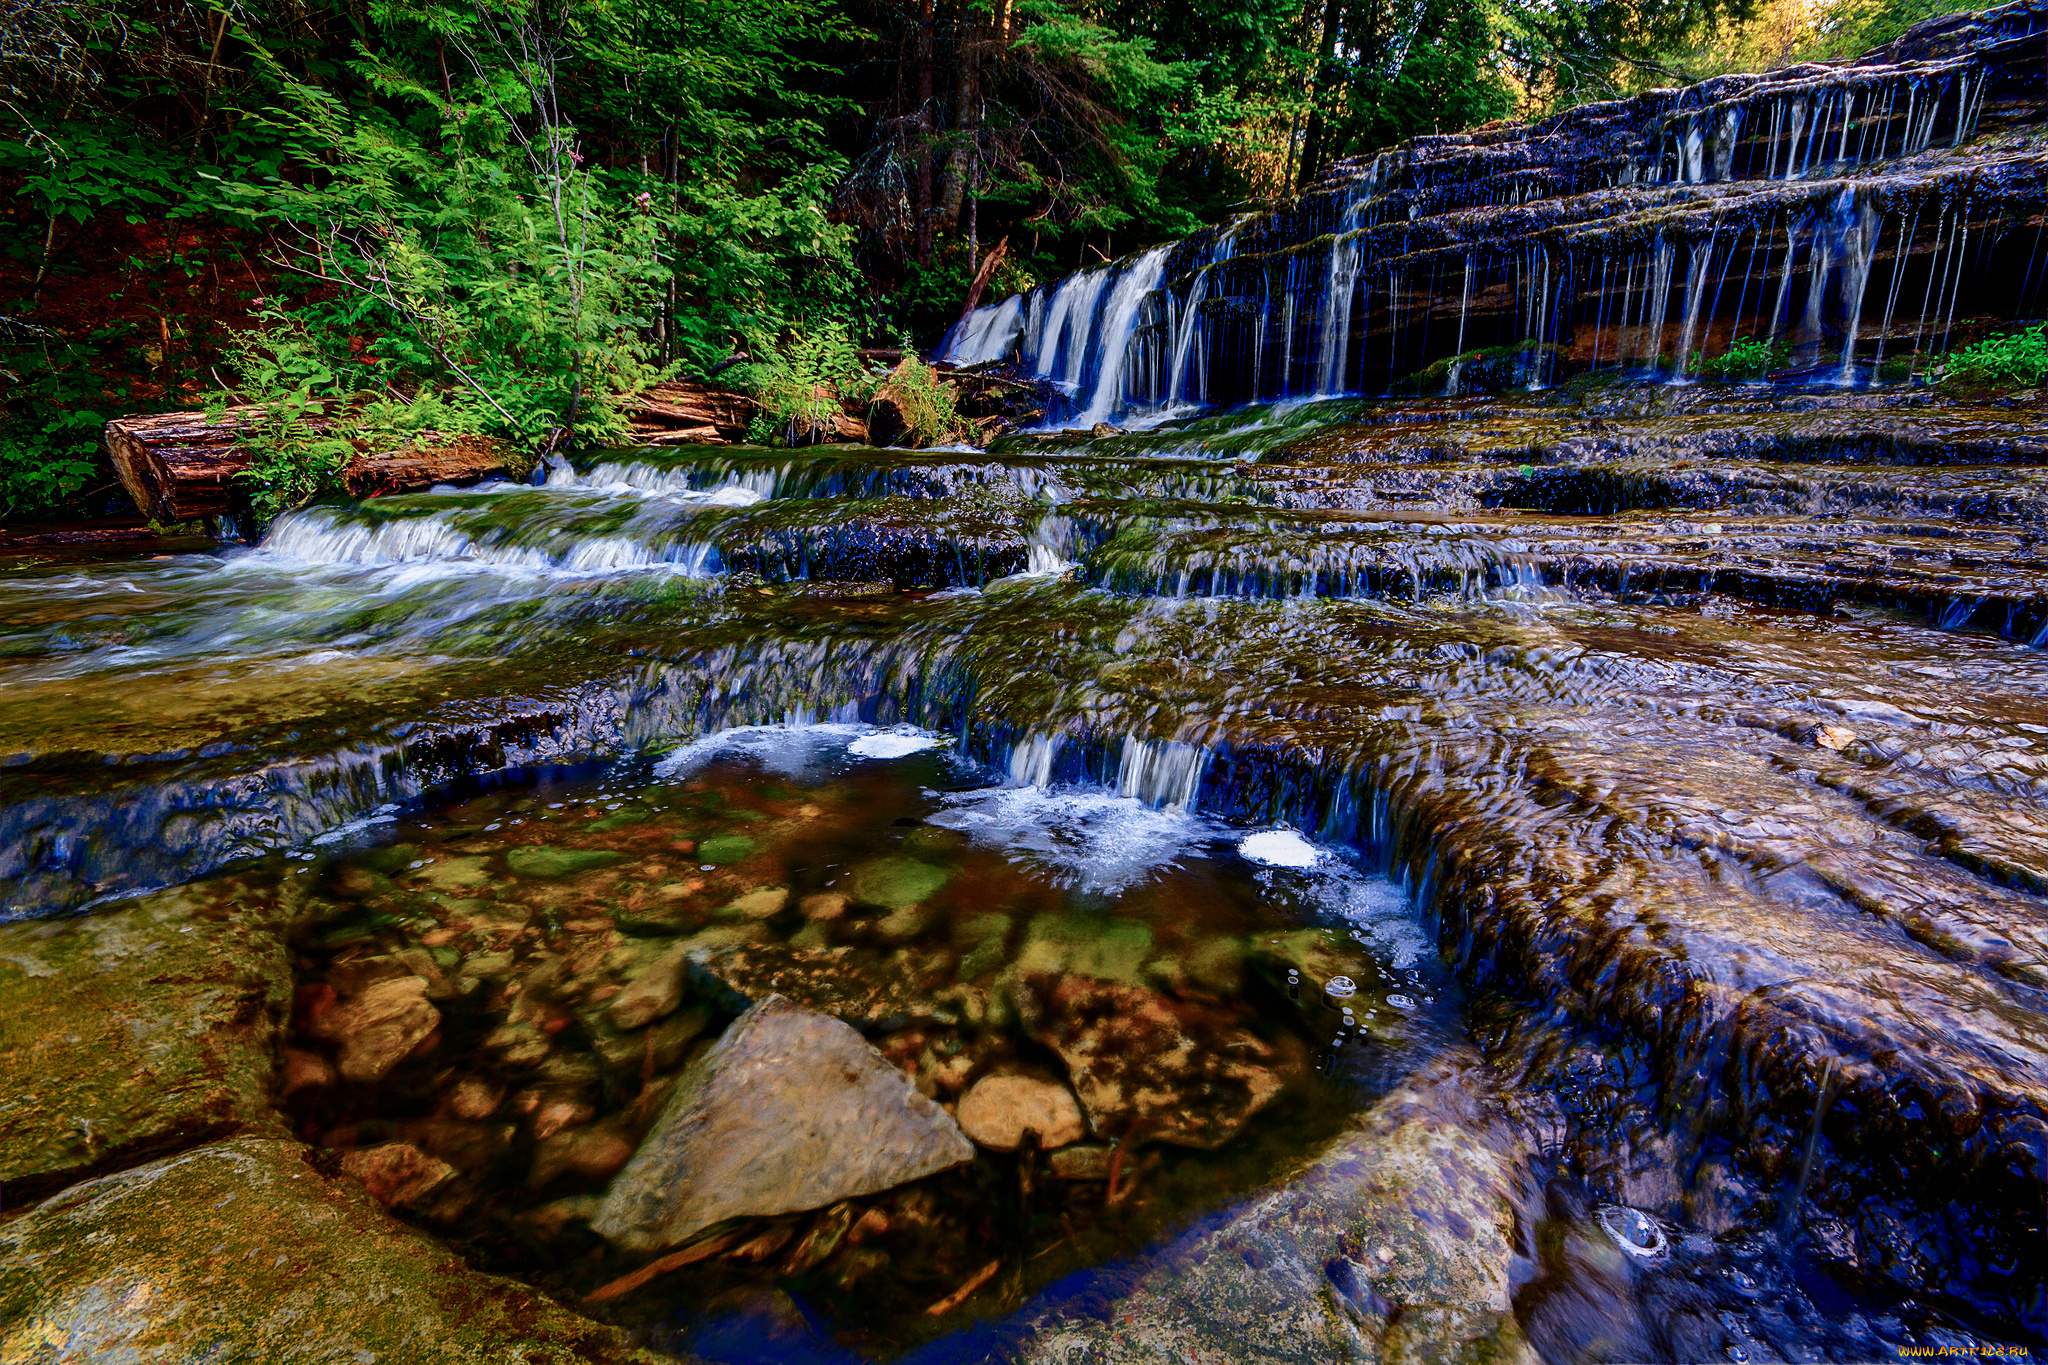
(1082, 838)
(1279, 848)
(895, 743)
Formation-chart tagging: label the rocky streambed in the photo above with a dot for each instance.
(1550, 876)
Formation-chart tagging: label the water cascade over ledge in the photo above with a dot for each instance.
(1856, 214)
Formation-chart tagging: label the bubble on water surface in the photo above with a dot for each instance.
(1279, 848)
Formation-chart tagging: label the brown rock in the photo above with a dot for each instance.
(474, 1098)
(376, 1028)
(302, 1070)
(1140, 1064)
(1087, 1162)
(823, 905)
(998, 1110)
(397, 1174)
(655, 992)
(597, 1152)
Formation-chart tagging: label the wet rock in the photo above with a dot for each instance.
(870, 990)
(998, 1110)
(791, 1110)
(724, 848)
(1142, 1064)
(766, 903)
(596, 1152)
(474, 1098)
(1090, 1161)
(659, 1047)
(823, 905)
(375, 1029)
(138, 1030)
(518, 1044)
(397, 1174)
(297, 1266)
(302, 1070)
(896, 884)
(656, 992)
(546, 864)
(1398, 1243)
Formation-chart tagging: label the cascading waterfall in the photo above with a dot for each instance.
(1643, 236)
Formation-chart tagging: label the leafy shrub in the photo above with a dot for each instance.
(2018, 360)
(802, 388)
(923, 401)
(1747, 358)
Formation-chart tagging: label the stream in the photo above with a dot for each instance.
(1403, 822)
(1674, 831)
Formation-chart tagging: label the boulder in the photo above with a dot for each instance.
(375, 1028)
(1396, 1244)
(138, 1030)
(998, 1110)
(791, 1110)
(249, 1250)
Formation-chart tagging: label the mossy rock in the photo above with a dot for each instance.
(895, 883)
(1081, 945)
(543, 862)
(258, 1250)
(456, 874)
(724, 848)
(620, 819)
(139, 1030)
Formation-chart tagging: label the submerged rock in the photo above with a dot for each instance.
(1145, 1066)
(998, 1110)
(1397, 1244)
(138, 1030)
(376, 1028)
(791, 1110)
(246, 1250)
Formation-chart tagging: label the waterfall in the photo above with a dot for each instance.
(1572, 243)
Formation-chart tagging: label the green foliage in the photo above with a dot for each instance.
(802, 387)
(1747, 358)
(926, 401)
(2018, 360)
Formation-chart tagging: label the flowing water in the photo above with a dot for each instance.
(1555, 867)
(1683, 808)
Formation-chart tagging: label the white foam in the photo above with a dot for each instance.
(800, 748)
(1279, 848)
(894, 744)
(1088, 839)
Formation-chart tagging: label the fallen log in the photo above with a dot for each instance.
(661, 413)
(182, 466)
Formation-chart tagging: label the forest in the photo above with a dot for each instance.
(497, 217)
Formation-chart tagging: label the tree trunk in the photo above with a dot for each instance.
(981, 276)
(178, 466)
(966, 99)
(924, 129)
(1313, 150)
(689, 410)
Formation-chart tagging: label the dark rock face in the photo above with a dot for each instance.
(790, 1111)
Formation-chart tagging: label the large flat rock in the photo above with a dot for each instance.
(1397, 1244)
(139, 1030)
(791, 1110)
(248, 1251)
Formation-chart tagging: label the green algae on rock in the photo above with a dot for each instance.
(257, 1249)
(139, 1029)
